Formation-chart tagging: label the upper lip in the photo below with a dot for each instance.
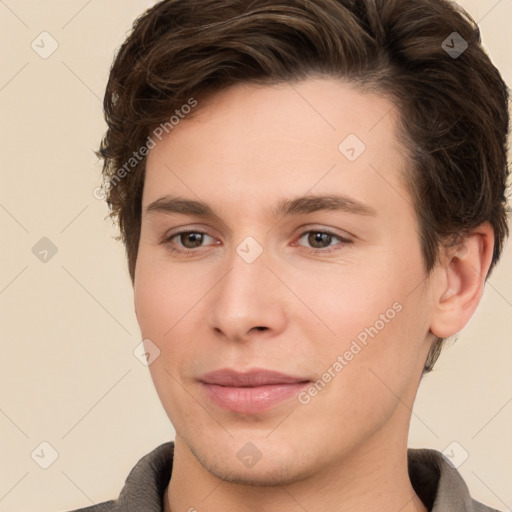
(251, 378)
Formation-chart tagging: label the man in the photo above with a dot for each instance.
(311, 195)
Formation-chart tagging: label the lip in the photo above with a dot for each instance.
(250, 392)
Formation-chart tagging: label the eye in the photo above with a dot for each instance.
(321, 239)
(189, 241)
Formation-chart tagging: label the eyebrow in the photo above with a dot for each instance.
(300, 205)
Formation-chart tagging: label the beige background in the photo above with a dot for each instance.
(68, 375)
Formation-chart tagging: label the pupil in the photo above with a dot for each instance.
(318, 238)
(192, 237)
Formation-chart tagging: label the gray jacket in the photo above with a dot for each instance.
(439, 485)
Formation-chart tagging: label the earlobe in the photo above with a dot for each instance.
(462, 281)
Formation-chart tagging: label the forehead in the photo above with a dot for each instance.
(247, 143)
(318, 111)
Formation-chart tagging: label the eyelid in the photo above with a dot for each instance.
(168, 236)
(324, 229)
(343, 241)
(186, 229)
(301, 232)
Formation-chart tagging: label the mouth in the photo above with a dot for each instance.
(250, 392)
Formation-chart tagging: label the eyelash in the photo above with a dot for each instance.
(189, 252)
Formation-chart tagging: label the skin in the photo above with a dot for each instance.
(244, 150)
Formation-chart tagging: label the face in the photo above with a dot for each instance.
(267, 275)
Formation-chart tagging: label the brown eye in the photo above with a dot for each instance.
(317, 239)
(186, 242)
(191, 239)
(320, 241)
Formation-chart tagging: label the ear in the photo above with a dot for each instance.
(461, 281)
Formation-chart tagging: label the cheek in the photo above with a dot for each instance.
(169, 302)
(348, 297)
(161, 315)
(163, 294)
(377, 327)
(150, 301)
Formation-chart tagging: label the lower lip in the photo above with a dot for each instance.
(251, 400)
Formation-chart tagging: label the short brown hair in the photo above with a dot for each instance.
(454, 117)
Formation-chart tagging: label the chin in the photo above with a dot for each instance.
(264, 474)
(269, 467)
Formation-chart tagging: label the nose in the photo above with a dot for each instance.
(248, 302)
